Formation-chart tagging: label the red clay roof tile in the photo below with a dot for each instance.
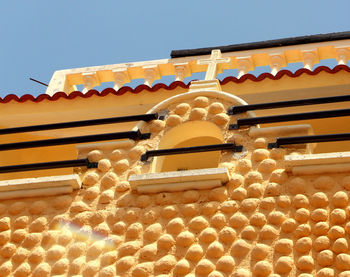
(172, 86)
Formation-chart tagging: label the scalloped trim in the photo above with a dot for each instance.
(172, 86)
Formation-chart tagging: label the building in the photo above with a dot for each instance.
(181, 180)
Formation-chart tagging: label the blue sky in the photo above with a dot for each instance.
(40, 36)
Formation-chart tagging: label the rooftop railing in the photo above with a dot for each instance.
(276, 54)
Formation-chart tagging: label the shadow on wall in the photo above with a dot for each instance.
(194, 133)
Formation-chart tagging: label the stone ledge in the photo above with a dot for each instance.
(42, 186)
(24, 193)
(335, 162)
(179, 180)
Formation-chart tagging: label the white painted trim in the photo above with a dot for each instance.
(314, 159)
(25, 193)
(173, 187)
(321, 169)
(41, 186)
(180, 176)
(192, 94)
(185, 179)
(60, 80)
(335, 162)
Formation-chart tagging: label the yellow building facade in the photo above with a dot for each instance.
(189, 188)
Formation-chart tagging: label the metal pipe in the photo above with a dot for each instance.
(288, 117)
(47, 165)
(81, 123)
(309, 139)
(262, 44)
(283, 104)
(135, 135)
(41, 83)
(192, 149)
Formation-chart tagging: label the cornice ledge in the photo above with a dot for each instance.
(205, 178)
(39, 187)
(309, 164)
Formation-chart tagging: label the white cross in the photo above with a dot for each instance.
(212, 62)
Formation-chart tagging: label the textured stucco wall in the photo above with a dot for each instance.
(263, 222)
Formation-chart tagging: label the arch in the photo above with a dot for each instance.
(192, 133)
(189, 95)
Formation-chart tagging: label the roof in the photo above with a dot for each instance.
(172, 86)
(262, 44)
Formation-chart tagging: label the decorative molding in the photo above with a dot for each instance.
(121, 77)
(205, 85)
(58, 93)
(234, 100)
(90, 80)
(277, 61)
(42, 186)
(343, 55)
(179, 180)
(244, 65)
(336, 162)
(309, 58)
(182, 70)
(181, 186)
(151, 73)
(66, 80)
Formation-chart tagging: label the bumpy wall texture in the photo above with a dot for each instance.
(263, 222)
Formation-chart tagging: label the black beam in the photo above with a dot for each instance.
(262, 44)
(283, 104)
(81, 123)
(192, 149)
(309, 139)
(288, 117)
(135, 135)
(47, 165)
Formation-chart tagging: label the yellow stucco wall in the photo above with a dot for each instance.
(263, 222)
(287, 88)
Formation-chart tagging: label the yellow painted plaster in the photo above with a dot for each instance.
(263, 222)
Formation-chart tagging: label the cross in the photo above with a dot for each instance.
(212, 62)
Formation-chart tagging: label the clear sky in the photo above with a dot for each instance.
(41, 36)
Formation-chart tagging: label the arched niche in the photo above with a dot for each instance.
(193, 133)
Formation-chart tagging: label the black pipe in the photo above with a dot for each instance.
(81, 123)
(135, 135)
(41, 83)
(47, 165)
(283, 104)
(262, 44)
(288, 117)
(309, 139)
(192, 149)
